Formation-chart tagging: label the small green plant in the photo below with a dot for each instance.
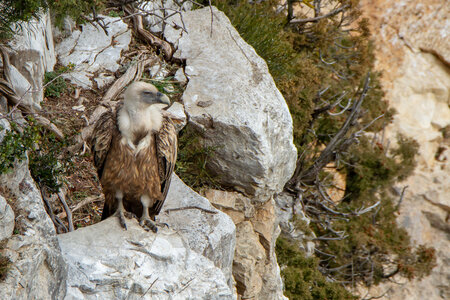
(192, 159)
(115, 14)
(15, 144)
(56, 84)
(167, 85)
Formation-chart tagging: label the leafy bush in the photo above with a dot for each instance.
(14, 145)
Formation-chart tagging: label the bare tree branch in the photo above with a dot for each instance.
(315, 19)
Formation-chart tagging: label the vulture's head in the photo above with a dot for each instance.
(141, 95)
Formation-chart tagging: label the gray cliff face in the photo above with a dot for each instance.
(414, 55)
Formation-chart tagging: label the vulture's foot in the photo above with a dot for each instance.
(148, 224)
(120, 213)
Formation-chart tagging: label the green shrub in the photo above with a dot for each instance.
(56, 84)
(297, 56)
(14, 145)
(375, 236)
(47, 160)
(301, 276)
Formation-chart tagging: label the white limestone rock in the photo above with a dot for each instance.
(191, 259)
(108, 262)
(180, 77)
(178, 116)
(233, 100)
(32, 53)
(6, 219)
(37, 270)
(207, 230)
(92, 50)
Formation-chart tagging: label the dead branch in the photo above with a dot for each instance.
(62, 198)
(191, 207)
(59, 225)
(337, 143)
(165, 47)
(81, 204)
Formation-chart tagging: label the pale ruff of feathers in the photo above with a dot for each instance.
(131, 119)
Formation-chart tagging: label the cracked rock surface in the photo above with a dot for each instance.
(91, 50)
(107, 262)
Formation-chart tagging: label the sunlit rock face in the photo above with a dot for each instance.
(232, 99)
(412, 50)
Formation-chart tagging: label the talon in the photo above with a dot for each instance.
(121, 217)
(148, 224)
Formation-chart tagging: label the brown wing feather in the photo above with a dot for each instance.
(100, 143)
(166, 148)
(104, 130)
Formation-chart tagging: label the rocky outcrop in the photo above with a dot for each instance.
(255, 267)
(289, 211)
(233, 101)
(107, 262)
(37, 269)
(6, 219)
(32, 54)
(190, 260)
(92, 51)
(208, 231)
(414, 54)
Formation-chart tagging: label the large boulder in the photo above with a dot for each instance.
(207, 230)
(232, 100)
(255, 267)
(92, 51)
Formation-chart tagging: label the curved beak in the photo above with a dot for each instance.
(164, 99)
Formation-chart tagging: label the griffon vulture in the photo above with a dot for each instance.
(135, 151)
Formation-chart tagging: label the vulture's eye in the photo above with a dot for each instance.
(147, 93)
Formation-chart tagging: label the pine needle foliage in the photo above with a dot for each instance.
(302, 279)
